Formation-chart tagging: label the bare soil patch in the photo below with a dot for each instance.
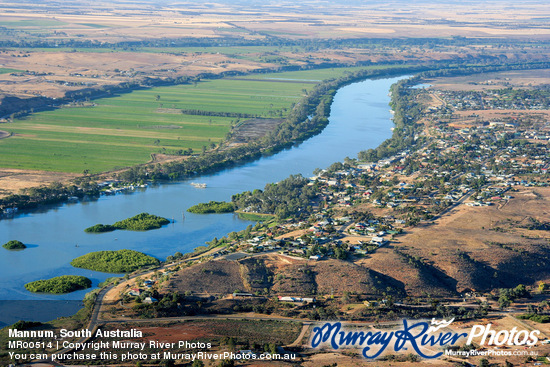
(214, 277)
(12, 181)
(254, 129)
(337, 276)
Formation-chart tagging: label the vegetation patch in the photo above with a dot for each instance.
(283, 199)
(140, 222)
(543, 319)
(14, 245)
(9, 70)
(212, 207)
(59, 285)
(257, 217)
(100, 228)
(121, 261)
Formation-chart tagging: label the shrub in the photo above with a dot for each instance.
(14, 245)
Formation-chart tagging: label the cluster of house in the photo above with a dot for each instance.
(138, 292)
(417, 178)
(497, 99)
(318, 233)
(112, 187)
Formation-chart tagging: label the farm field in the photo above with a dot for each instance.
(112, 133)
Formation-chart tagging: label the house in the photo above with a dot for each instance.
(241, 294)
(296, 299)
(315, 257)
(150, 300)
(380, 241)
(134, 292)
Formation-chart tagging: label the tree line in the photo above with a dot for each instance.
(290, 197)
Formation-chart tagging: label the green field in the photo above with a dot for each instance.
(93, 25)
(8, 70)
(124, 130)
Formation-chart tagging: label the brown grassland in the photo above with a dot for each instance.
(125, 22)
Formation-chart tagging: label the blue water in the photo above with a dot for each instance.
(360, 119)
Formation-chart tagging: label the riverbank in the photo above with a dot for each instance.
(308, 118)
(359, 119)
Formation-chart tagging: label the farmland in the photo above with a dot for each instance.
(124, 130)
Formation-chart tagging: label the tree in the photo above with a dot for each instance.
(270, 348)
(504, 302)
(483, 363)
(346, 297)
(197, 363)
(227, 363)
(168, 363)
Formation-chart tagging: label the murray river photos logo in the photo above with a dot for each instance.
(424, 338)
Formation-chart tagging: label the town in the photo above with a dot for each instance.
(459, 164)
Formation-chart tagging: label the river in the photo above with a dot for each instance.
(360, 119)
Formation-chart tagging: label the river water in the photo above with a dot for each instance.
(360, 119)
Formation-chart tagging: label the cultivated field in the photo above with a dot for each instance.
(124, 130)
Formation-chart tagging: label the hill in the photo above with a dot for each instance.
(282, 275)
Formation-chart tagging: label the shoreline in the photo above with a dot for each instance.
(217, 161)
(190, 253)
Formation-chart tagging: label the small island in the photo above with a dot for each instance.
(59, 285)
(212, 207)
(140, 222)
(14, 245)
(121, 261)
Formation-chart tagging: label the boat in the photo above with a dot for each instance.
(198, 185)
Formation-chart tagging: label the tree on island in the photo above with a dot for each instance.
(140, 222)
(59, 285)
(121, 261)
(14, 245)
